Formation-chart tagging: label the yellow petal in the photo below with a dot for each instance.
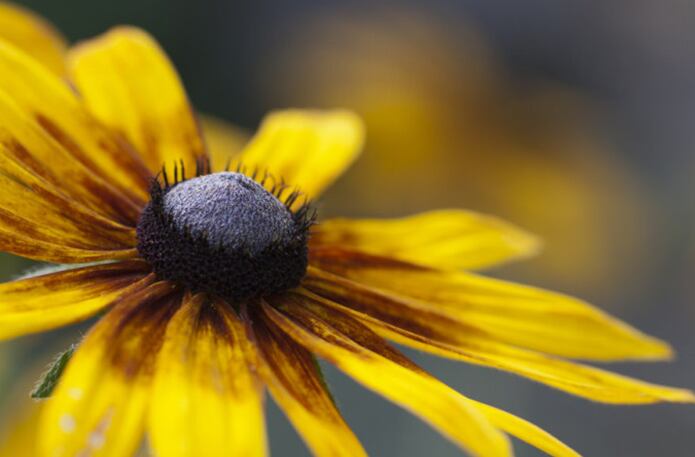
(47, 216)
(50, 251)
(33, 35)
(526, 431)
(19, 435)
(367, 358)
(205, 400)
(518, 315)
(129, 84)
(31, 205)
(54, 105)
(223, 140)
(423, 326)
(292, 376)
(98, 408)
(305, 149)
(445, 239)
(45, 302)
(25, 144)
(39, 224)
(585, 381)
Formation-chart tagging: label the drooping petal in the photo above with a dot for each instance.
(25, 245)
(45, 216)
(224, 141)
(519, 315)
(33, 35)
(292, 376)
(305, 149)
(49, 301)
(445, 239)
(343, 332)
(425, 327)
(582, 380)
(526, 431)
(25, 145)
(31, 227)
(129, 84)
(367, 358)
(55, 107)
(206, 401)
(33, 207)
(99, 406)
(29, 206)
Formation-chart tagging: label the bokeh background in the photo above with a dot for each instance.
(573, 119)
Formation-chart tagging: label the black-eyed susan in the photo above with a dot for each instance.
(470, 123)
(216, 284)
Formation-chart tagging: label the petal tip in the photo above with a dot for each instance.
(667, 394)
(525, 243)
(126, 30)
(114, 34)
(654, 350)
(522, 242)
(682, 396)
(342, 120)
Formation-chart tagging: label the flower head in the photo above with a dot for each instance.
(217, 284)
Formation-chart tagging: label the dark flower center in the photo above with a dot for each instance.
(224, 234)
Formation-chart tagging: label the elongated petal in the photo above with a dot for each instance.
(25, 144)
(99, 406)
(305, 149)
(30, 206)
(43, 216)
(26, 245)
(205, 400)
(368, 359)
(36, 222)
(55, 107)
(45, 302)
(291, 373)
(33, 35)
(128, 83)
(445, 239)
(224, 141)
(519, 315)
(34, 201)
(422, 326)
(343, 326)
(526, 431)
(585, 381)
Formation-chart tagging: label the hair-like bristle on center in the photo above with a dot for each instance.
(225, 234)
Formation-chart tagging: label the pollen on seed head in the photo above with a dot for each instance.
(224, 234)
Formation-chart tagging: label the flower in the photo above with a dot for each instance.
(217, 284)
(470, 123)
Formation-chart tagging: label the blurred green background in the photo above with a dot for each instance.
(573, 119)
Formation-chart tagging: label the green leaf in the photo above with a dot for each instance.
(45, 385)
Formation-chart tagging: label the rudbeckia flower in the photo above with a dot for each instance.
(216, 283)
(470, 123)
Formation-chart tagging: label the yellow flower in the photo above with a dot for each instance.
(435, 96)
(217, 285)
